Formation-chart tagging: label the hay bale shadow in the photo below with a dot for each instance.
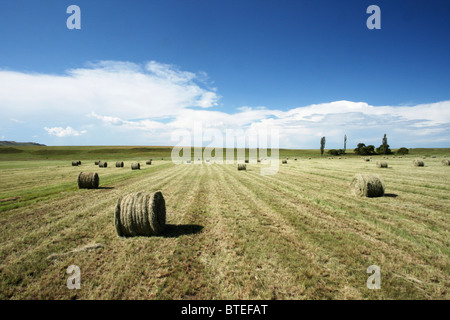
(175, 231)
(391, 195)
(106, 188)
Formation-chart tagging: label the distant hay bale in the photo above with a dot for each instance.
(309, 158)
(149, 162)
(119, 164)
(259, 160)
(284, 162)
(382, 164)
(424, 158)
(140, 214)
(246, 161)
(242, 167)
(97, 162)
(295, 159)
(79, 162)
(88, 180)
(74, 163)
(188, 161)
(102, 164)
(366, 185)
(367, 159)
(418, 163)
(445, 162)
(136, 166)
(434, 157)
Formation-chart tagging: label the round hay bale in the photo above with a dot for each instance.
(136, 166)
(309, 158)
(382, 164)
(295, 159)
(246, 161)
(74, 163)
(140, 214)
(79, 162)
(367, 159)
(119, 164)
(188, 161)
(149, 162)
(97, 162)
(242, 167)
(88, 180)
(418, 163)
(366, 185)
(445, 162)
(102, 164)
(284, 161)
(434, 157)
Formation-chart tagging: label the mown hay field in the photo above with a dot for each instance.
(299, 234)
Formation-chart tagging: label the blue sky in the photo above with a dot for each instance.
(138, 70)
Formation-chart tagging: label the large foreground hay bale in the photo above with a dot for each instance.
(445, 162)
(74, 163)
(367, 185)
(140, 214)
(242, 167)
(88, 180)
(418, 163)
(136, 166)
(102, 164)
(382, 164)
(149, 162)
(119, 164)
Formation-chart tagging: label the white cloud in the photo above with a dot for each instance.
(153, 99)
(16, 121)
(124, 89)
(61, 132)
(145, 124)
(302, 127)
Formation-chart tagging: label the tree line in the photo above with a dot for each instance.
(362, 149)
